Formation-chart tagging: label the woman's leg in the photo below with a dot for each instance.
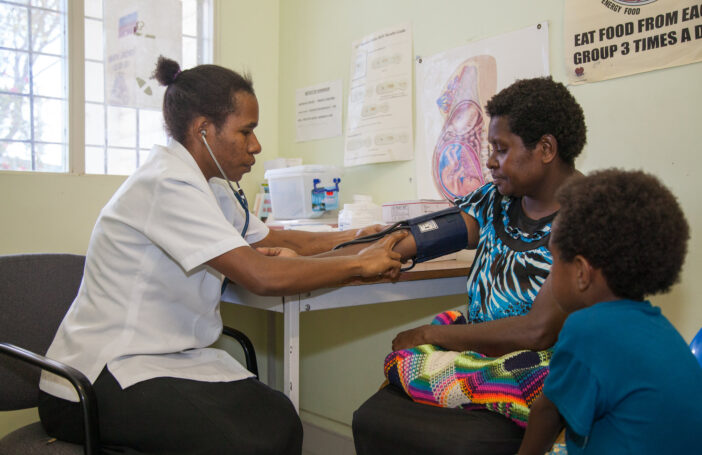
(170, 415)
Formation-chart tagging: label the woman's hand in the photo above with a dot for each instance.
(410, 338)
(379, 260)
(277, 251)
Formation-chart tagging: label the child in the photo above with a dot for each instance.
(622, 379)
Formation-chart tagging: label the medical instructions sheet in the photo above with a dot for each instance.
(318, 111)
(379, 119)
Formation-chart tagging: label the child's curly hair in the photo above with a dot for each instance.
(627, 224)
(539, 106)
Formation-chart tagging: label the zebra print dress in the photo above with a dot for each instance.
(512, 260)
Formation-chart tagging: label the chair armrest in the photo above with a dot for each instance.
(246, 345)
(81, 383)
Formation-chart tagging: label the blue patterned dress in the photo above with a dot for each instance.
(512, 260)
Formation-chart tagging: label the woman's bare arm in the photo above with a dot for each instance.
(280, 275)
(536, 330)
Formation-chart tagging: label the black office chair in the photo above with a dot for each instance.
(36, 290)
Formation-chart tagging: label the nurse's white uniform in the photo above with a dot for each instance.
(148, 306)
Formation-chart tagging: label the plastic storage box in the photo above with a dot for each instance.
(303, 191)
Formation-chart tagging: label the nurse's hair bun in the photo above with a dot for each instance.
(167, 71)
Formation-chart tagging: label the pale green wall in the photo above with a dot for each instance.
(646, 121)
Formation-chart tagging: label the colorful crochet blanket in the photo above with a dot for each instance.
(507, 385)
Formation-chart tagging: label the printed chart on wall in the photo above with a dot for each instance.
(379, 120)
(452, 90)
(605, 39)
(136, 33)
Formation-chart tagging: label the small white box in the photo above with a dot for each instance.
(292, 188)
(402, 210)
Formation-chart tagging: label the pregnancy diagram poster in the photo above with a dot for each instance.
(379, 119)
(452, 88)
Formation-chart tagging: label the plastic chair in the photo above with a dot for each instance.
(696, 346)
(36, 291)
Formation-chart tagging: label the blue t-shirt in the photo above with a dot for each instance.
(626, 382)
(512, 260)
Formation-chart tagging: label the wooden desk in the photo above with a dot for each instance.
(427, 280)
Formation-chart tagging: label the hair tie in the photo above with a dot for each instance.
(175, 76)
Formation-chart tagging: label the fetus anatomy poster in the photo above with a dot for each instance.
(452, 90)
(379, 120)
(136, 33)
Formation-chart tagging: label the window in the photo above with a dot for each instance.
(34, 78)
(33, 86)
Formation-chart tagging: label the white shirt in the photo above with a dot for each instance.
(148, 306)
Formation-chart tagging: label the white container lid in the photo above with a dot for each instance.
(304, 169)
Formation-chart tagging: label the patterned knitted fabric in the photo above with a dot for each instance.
(507, 385)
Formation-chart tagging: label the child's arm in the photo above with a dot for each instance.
(542, 430)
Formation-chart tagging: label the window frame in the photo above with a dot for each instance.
(74, 39)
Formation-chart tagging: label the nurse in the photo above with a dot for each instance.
(148, 306)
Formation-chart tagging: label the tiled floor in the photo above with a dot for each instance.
(318, 441)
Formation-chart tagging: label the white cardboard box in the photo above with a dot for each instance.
(402, 210)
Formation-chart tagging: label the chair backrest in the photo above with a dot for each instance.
(36, 291)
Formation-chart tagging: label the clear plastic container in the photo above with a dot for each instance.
(293, 189)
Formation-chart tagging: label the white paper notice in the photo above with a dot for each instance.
(379, 120)
(136, 33)
(318, 111)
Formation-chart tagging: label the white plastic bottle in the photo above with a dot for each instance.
(362, 212)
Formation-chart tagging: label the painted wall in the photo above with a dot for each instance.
(646, 121)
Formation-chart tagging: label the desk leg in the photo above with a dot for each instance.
(291, 356)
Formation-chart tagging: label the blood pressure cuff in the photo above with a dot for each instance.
(439, 233)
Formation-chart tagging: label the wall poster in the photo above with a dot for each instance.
(452, 90)
(605, 39)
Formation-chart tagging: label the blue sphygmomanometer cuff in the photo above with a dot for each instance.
(439, 233)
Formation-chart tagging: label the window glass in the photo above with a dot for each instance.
(94, 160)
(16, 156)
(93, 39)
(34, 78)
(48, 32)
(94, 124)
(121, 161)
(49, 120)
(48, 74)
(93, 8)
(14, 30)
(121, 126)
(33, 88)
(51, 157)
(14, 117)
(14, 71)
(94, 82)
(151, 129)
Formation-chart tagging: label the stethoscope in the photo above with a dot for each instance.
(239, 195)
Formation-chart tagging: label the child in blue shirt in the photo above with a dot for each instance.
(622, 379)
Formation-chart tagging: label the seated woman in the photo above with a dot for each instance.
(536, 131)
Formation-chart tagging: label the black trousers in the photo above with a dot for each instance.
(390, 422)
(178, 416)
